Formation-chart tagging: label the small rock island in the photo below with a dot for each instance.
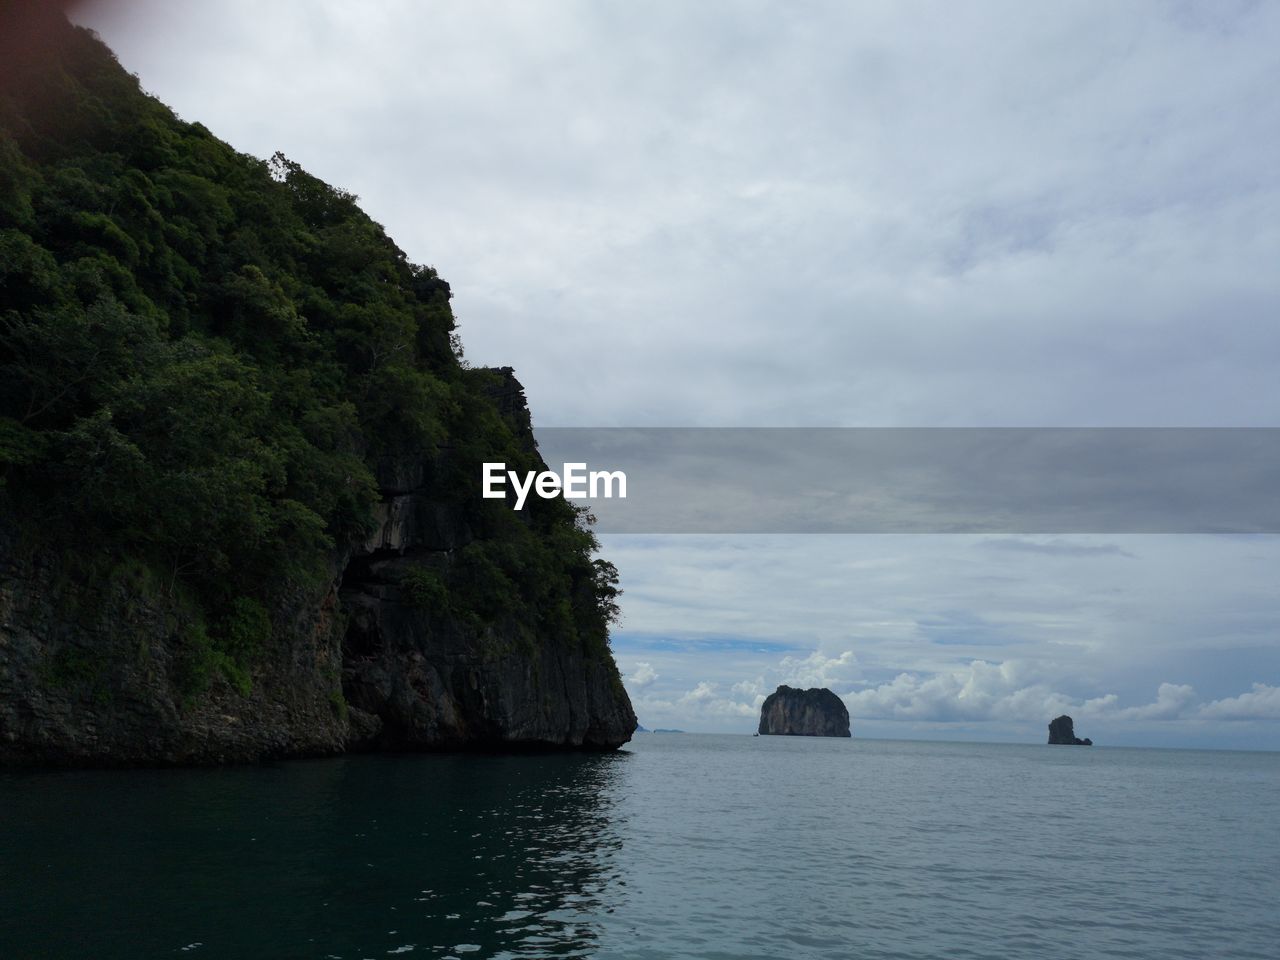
(1062, 731)
(816, 712)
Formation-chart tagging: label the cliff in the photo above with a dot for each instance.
(417, 674)
(1062, 731)
(240, 459)
(816, 712)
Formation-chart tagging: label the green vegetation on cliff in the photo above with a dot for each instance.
(204, 356)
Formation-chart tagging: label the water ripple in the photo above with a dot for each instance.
(681, 847)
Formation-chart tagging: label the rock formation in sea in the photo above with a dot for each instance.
(816, 712)
(1062, 731)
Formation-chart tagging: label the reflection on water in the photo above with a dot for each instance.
(682, 848)
(358, 857)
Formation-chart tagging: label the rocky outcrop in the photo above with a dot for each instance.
(1062, 731)
(816, 712)
(94, 672)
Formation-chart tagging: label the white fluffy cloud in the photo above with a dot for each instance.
(987, 691)
(1009, 691)
(704, 692)
(1173, 702)
(979, 691)
(705, 697)
(641, 678)
(819, 670)
(1260, 703)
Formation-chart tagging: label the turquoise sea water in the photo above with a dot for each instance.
(680, 846)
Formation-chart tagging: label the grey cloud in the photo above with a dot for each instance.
(1260, 703)
(1056, 547)
(827, 214)
(1173, 702)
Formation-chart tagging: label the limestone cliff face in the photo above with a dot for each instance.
(816, 712)
(419, 677)
(91, 673)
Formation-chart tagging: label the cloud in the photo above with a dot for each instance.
(1011, 691)
(819, 670)
(962, 223)
(751, 689)
(978, 691)
(704, 701)
(1261, 703)
(704, 692)
(987, 691)
(1099, 706)
(642, 677)
(1058, 547)
(1173, 702)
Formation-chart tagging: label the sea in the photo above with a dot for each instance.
(678, 846)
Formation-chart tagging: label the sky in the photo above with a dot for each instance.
(732, 214)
